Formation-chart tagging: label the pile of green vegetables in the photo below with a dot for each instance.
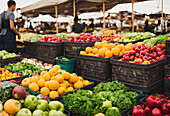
(66, 36)
(109, 86)
(6, 90)
(87, 103)
(130, 37)
(23, 68)
(160, 39)
(5, 55)
(34, 39)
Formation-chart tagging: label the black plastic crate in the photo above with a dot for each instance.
(168, 47)
(73, 48)
(49, 50)
(30, 48)
(137, 74)
(166, 86)
(4, 62)
(156, 87)
(95, 67)
(168, 59)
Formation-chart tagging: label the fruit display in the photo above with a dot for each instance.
(106, 50)
(34, 38)
(63, 58)
(111, 37)
(51, 39)
(55, 82)
(5, 55)
(169, 76)
(155, 105)
(87, 103)
(84, 38)
(154, 41)
(37, 63)
(25, 36)
(5, 74)
(130, 37)
(143, 54)
(23, 68)
(66, 36)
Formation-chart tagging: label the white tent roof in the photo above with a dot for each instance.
(44, 18)
(92, 15)
(147, 7)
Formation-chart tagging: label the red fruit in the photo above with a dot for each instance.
(153, 49)
(158, 49)
(160, 46)
(135, 112)
(116, 44)
(132, 58)
(78, 37)
(146, 51)
(154, 55)
(150, 61)
(160, 53)
(13, 81)
(150, 55)
(156, 112)
(142, 52)
(147, 111)
(19, 74)
(130, 52)
(123, 59)
(133, 52)
(163, 57)
(146, 54)
(19, 92)
(137, 55)
(127, 58)
(143, 106)
(141, 112)
(150, 58)
(145, 58)
(137, 50)
(157, 58)
(141, 56)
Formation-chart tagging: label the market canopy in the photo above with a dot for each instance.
(66, 6)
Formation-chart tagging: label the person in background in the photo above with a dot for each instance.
(77, 27)
(158, 28)
(146, 28)
(92, 24)
(9, 32)
(68, 27)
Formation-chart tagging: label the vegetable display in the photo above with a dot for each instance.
(87, 103)
(23, 68)
(66, 36)
(130, 37)
(5, 55)
(35, 38)
(109, 86)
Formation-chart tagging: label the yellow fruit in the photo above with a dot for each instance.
(25, 82)
(111, 45)
(46, 76)
(62, 85)
(66, 83)
(98, 45)
(61, 90)
(90, 54)
(46, 84)
(83, 53)
(88, 49)
(95, 51)
(66, 75)
(4, 113)
(42, 73)
(102, 52)
(73, 78)
(56, 67)
(99, 114)
(45, 91)
(105, 45)
(41, 83)
(53, 94)
(108, 54)
(86, 82)
(58, 78)
(61, 71)
(78, 84)
(104, 42)
(53, 85)
(70, 89)
(115, 51)
(33, 87)
(52, 72)
(34, 79)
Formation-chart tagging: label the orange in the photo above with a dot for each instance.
(121, 53)
(73, 78)
(63, 85)
(60, 71)
(98, 45)
(104, 42)
(53, 94)
(46, 76)
(52, 72)
(12, 106)
(25, 82)
(120, 46)
(108, 54)
(90, 54)
(102, 52)
(70, 89)
(78, 84)
(99, 114)
(56, 67)
(83, 53)
(105, 45)
(41, 83)
(4, 113)
(70, 85)
(45, 91)
(95, 51)
(111, 45)
(66, 83)
(66, 75)
(46, 84)
(33, 87)
(80, 78)
(53, 85)
(61, 90)
(34, 79)
(128, 47)
(115, 51)
(58, 78)
(42, 73)
(86, 82)
(88, 49)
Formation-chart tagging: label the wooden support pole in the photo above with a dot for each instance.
(74, 8)
(162, 17)
(104, 23)
(133, 27)
(56, 15)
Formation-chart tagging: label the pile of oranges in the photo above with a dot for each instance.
(106, 50)
(5, 74)
(55, 82)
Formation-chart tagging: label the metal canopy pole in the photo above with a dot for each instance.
(56, 15)
(74, 8)
(104, 23)
(133, 28)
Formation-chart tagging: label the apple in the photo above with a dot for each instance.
(56, 113)
(24, 112)
(19, 92)
(156, 112)
(13, 81)
(19, 74)
(42, 97)
(31, 102)
(158, 49)
(38, 113)
(46, 113)
(42, 105)
(160, 46)
(138, 61)
(153, 49)
(56, 105)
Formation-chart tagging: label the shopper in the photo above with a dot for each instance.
(77, 27)
(9, 32)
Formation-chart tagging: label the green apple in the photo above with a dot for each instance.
(31, 102)
(24, 112)
(38, 113)
(56, 105)
(46, 113)
(56, 113)
(42, 105)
